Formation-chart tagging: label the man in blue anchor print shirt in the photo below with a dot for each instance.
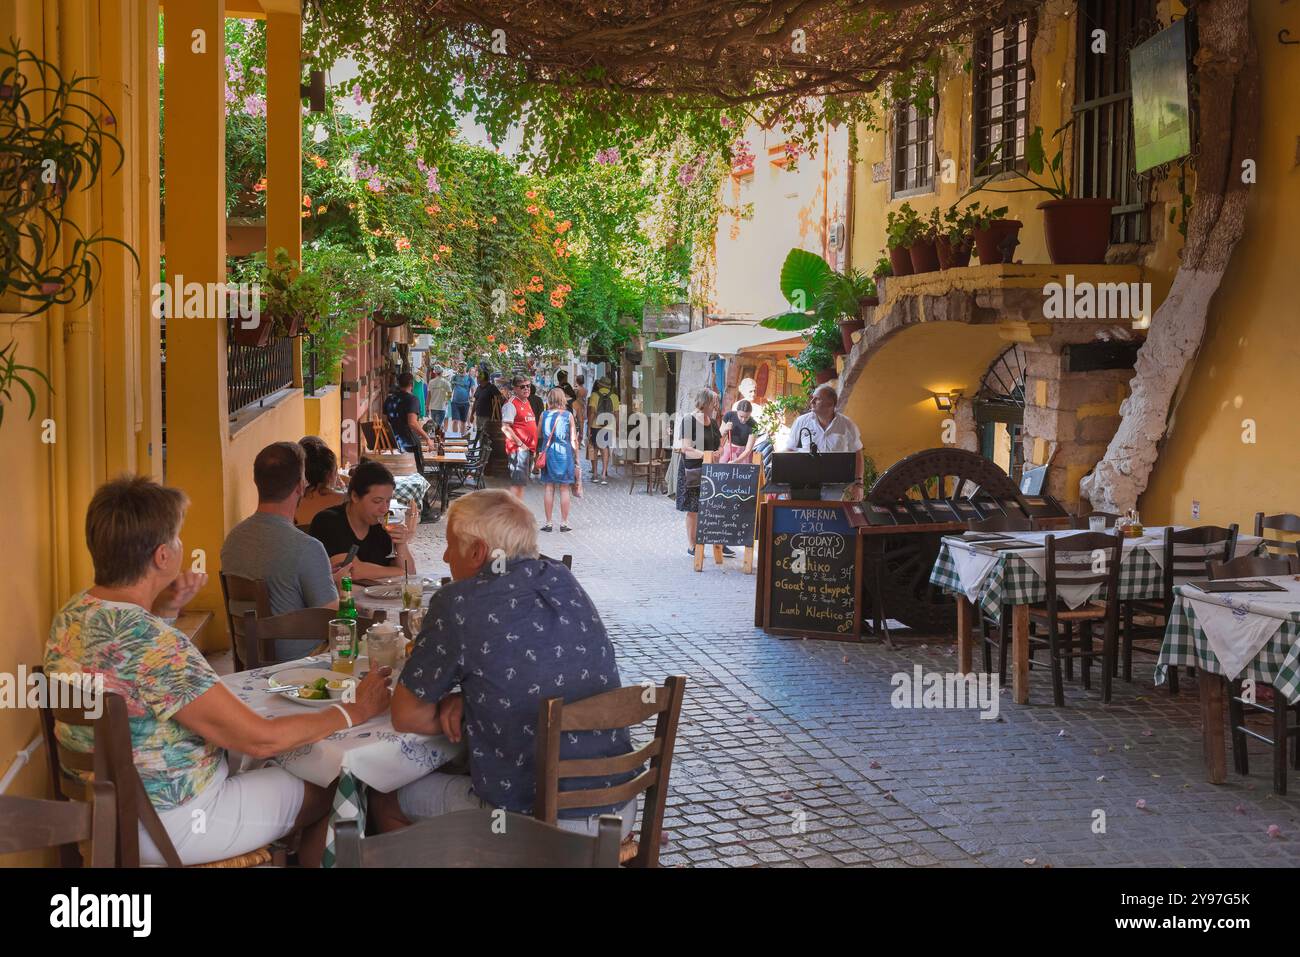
(509, 631)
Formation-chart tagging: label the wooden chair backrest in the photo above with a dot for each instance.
(32, 824)
(479, 838)
(1282, 522)
(620, 708)
(1071, 559)
(112, 761)
(565, 560)
(234, 588)
(262, 633)
(1188, 552)
(1002, 523)
(1254, 566)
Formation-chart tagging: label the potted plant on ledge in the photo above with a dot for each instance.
(822, 298)
(290, 300)
(922, 252)
(1077, 230)
(901, 230)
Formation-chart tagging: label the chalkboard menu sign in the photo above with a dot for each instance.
(728, 504)
(811, 571)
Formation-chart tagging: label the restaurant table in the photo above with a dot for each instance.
(1228, 636)
(372, 754)
(979, 577)
(411, 489)
(442, 461)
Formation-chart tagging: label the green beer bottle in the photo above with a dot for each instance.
(347, 607)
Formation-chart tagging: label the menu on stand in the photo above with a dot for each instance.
(728, 504)
(811, 577)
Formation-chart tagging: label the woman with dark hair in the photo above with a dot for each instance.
(381, 547)
(322, 472)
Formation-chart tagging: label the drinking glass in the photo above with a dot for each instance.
(385, 650)
(1097, 523)
(414, 622)
(412, 595)
(343, 645)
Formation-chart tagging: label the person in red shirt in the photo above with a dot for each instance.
(519, 426)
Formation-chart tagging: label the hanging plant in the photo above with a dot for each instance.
(54, 136)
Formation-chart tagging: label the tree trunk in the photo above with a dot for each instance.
(1228, 72)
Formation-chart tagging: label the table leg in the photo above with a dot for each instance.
(1020, 653)
(1212, 744)
(965, 618)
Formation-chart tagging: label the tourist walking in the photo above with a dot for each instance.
(519, 427)
(700, 433)
(461, 384)
(557, 456)
(487, 401)
(580, 420)
(602, 413)
(437, 396)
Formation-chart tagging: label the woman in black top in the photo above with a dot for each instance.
(700, 434)
(738, 433)
(382, 549)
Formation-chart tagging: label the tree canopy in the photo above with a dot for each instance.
(580, 75)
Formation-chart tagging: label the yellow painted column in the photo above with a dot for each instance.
(149, 457)
(195, 210)
(284, 145)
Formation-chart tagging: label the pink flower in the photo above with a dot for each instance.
(727, 123)
(608, 157)
(1274, 831)
(374, 185)
(1141, 804)
(356, 95)
(254, 106)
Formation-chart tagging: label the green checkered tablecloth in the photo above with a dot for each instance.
(1185, 645)
(1013, 581)
(349, 805)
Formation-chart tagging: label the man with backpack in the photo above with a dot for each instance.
(602, 414)
(403, 413)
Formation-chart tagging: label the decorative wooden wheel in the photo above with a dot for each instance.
(909, 557)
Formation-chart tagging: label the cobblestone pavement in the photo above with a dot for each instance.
(790, 754)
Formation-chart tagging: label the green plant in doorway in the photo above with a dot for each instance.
(12, 374)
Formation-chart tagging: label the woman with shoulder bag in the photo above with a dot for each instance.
(557, 453)
(700, 434)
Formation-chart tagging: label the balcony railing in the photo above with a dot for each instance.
(253, 374)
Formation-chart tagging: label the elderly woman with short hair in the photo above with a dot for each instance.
(182, 718)
(699, 432)
(511, 629)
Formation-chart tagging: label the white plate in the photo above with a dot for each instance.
(390, 589)
(301, 676)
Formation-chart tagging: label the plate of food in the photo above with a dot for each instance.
(390, 589)
(313, 687)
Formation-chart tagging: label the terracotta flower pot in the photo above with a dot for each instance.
(953, 257)
(923, 256)
(1077, 230)
(259, 336)
(847, 328)
(988, 241)
(900, 260)
(825, 375)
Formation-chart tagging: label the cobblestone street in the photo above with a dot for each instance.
(789, 752)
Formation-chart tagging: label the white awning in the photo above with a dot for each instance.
(731, 338)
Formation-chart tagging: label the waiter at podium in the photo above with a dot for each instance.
(825, 430)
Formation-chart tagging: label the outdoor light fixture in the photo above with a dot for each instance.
(314, 91)
(944, 401)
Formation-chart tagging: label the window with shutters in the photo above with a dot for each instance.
(1002, 74)
(914, 161)
(1103, 111)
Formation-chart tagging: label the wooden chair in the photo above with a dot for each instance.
(653, 471)
(34, 824)
(234, 588)
(1187, 553)
(1284, 522)
(566, 560)
(1254, 566)
(261, 634)
(1239, 708)
(479, 838)
(998, 633)
(620, 708)
(113, 762)
(1072, 560)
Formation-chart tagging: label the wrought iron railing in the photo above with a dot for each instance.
(253, 374)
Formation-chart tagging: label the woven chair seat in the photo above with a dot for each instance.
(1089, 612)
(255, 858)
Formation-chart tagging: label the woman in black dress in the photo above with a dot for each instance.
(700, 433)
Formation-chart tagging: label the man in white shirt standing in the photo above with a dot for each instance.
(831, 432)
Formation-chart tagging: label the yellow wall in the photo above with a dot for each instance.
(324, 416)
(1252, 348)
(892, 403)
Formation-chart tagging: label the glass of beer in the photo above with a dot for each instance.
(343, 645)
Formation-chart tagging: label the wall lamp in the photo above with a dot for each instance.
(314, 91)
(944, 401)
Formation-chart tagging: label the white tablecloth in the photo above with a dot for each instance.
(372, 752)
(1237, 625)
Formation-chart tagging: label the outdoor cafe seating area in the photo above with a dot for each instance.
(1209, 601)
